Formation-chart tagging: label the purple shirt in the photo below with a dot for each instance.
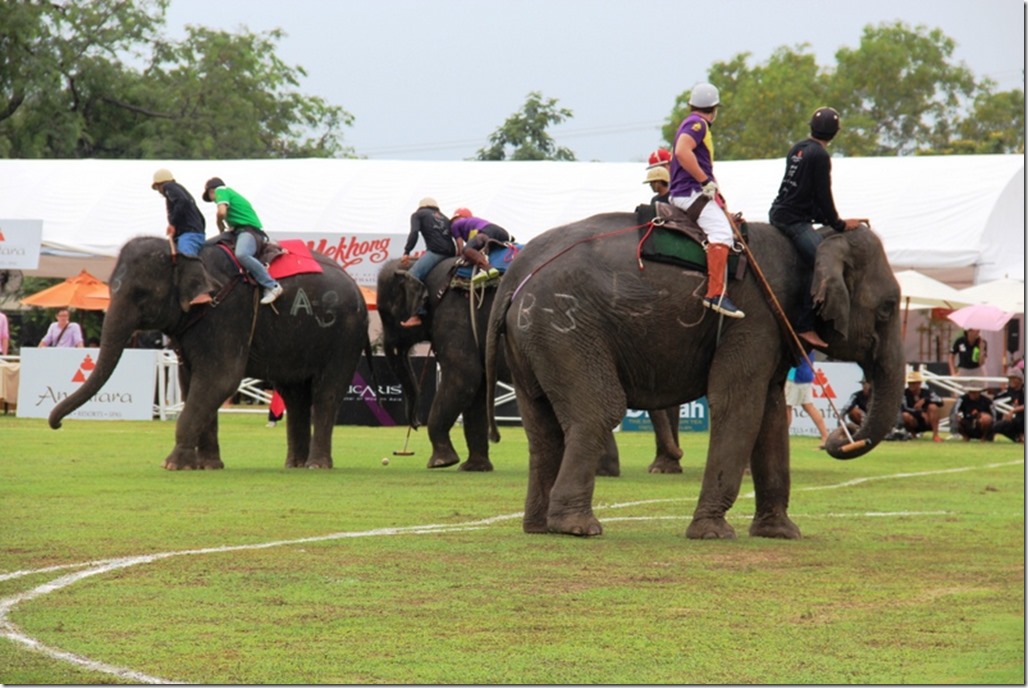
(5, 333)
(71, 337)
(695, 127)
(462, 227)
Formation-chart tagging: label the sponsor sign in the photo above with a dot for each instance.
(19, 244)
(379, 400)
(692, 417)
(832, 381)
(361, 255)
(51, 374)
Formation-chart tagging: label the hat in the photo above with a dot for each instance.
(915, 376)
(658, 174)
(212, 183)
(1015, 372)
(461, 212)
(824, 124)
(161, 176)
(427, 202)
(974, 387)
(659, 158)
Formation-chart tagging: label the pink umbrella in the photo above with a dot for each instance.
(981, 317)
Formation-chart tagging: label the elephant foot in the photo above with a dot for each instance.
(318, 463)
(534, 526)
(443, 460)
(665, 464)
(775, 527)
(710, 529)
(583, 525)
(210, 464)
(609, 471)
(181, 461)
(480, 465)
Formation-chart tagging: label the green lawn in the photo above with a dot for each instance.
(911, 568)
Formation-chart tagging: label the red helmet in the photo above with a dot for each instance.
(661, 156)
(462, 212)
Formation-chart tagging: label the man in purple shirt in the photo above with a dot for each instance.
(63, 332)
(692, 179)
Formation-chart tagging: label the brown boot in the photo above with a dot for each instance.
(717, 297)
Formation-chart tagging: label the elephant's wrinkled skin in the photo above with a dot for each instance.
(307, 344)
(586, 334)
(450, 325)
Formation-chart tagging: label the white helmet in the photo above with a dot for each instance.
(704, 96)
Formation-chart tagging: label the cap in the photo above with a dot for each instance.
(704, 96)
(161, 176)
(659, 158)
(427, 202)
(915, 376)
(824, 124)
(462, 212)
(658, 174)
(212, 183)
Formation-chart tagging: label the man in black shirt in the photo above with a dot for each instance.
(805, 197)
(186, 224)
(974, 414)
(1011, 425)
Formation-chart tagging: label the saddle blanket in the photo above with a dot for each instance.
(670, 246)
(296, 260)
(498, 258)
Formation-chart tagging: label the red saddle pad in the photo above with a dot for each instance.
(295, 261)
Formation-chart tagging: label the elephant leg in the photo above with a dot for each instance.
(451, 397)
(610, 460)
(297, 398)
(770, 467)
(545, 453)
(324, 410)
(197, 424)
(476, 434)
(665, 431)
(208, 450)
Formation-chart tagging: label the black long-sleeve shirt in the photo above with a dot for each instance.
(183, 214)
(806, 191)
(434, 227)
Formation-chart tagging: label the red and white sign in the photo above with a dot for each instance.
(19, 244)
(361, 255)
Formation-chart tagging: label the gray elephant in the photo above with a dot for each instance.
(308, 344)
(587, 332)
(456, 325)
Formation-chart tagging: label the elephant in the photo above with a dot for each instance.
(456, 327)
(307, 344)
(587, 330)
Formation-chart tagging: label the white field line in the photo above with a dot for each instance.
(93, 568)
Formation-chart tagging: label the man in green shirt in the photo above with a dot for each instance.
(235, 214)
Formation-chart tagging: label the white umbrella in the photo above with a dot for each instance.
(918, 290)
(1006, 294)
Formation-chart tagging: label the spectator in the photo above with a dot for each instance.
(921, 407)
(5, 334)
(798, 392)
(186, 225)
(63, 332)
(805, 197)
(1011, 425)
(974, 414)
(434, 228)
(967, 357)
(856, 408)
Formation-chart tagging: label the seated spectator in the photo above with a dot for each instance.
(974, 414)
(1011, 425)
(856, 408)
(920, 410)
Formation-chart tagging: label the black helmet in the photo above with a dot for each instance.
(212, 183)
(824, 124)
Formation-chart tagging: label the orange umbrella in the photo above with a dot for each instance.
(81, 291)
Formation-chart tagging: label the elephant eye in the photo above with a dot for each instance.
(886, 310)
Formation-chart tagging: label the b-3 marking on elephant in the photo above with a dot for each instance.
(310, 361)
(564, 311)
(573, 388)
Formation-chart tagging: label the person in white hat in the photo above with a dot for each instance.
(186, 224)
(434, 227)
(975, 414)
(921, 407)
(1011, 425)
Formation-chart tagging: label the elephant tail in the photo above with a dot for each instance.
(497, 317)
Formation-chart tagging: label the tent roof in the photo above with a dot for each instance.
(931, 212)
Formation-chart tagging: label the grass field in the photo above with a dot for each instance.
(112, 570)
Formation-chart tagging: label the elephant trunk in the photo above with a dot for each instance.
(398, 357)
(115, 336)
(886, 374)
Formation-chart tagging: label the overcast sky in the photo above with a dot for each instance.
(432, 79)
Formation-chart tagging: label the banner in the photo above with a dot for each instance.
(832, 381)
(51, 374)
(361, 255)
(379, 400)
(692, 417)
(19, 244)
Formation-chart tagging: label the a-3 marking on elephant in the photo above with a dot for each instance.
(573, 388)
(308, 350)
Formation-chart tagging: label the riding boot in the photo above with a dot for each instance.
(717, 296)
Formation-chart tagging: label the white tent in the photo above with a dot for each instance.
(931, 212)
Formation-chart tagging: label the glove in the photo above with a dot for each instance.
(710, 189)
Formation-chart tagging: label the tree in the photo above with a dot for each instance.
(66, 90)
(525, 133)
(899, 93)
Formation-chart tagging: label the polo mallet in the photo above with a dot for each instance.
(783, 320)
(410, 426)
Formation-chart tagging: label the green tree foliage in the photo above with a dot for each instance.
(69, 88)
(899, 93)
(524, 133)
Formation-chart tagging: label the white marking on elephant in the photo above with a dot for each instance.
(625, 306)
(303, 303)
(565, 312)
(11, 631)
(525, 306)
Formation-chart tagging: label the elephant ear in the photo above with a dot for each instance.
(831, 293)
(191, 281)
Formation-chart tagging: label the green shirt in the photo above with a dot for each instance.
(240, 212)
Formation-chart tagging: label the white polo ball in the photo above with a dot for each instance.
(385, 460)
